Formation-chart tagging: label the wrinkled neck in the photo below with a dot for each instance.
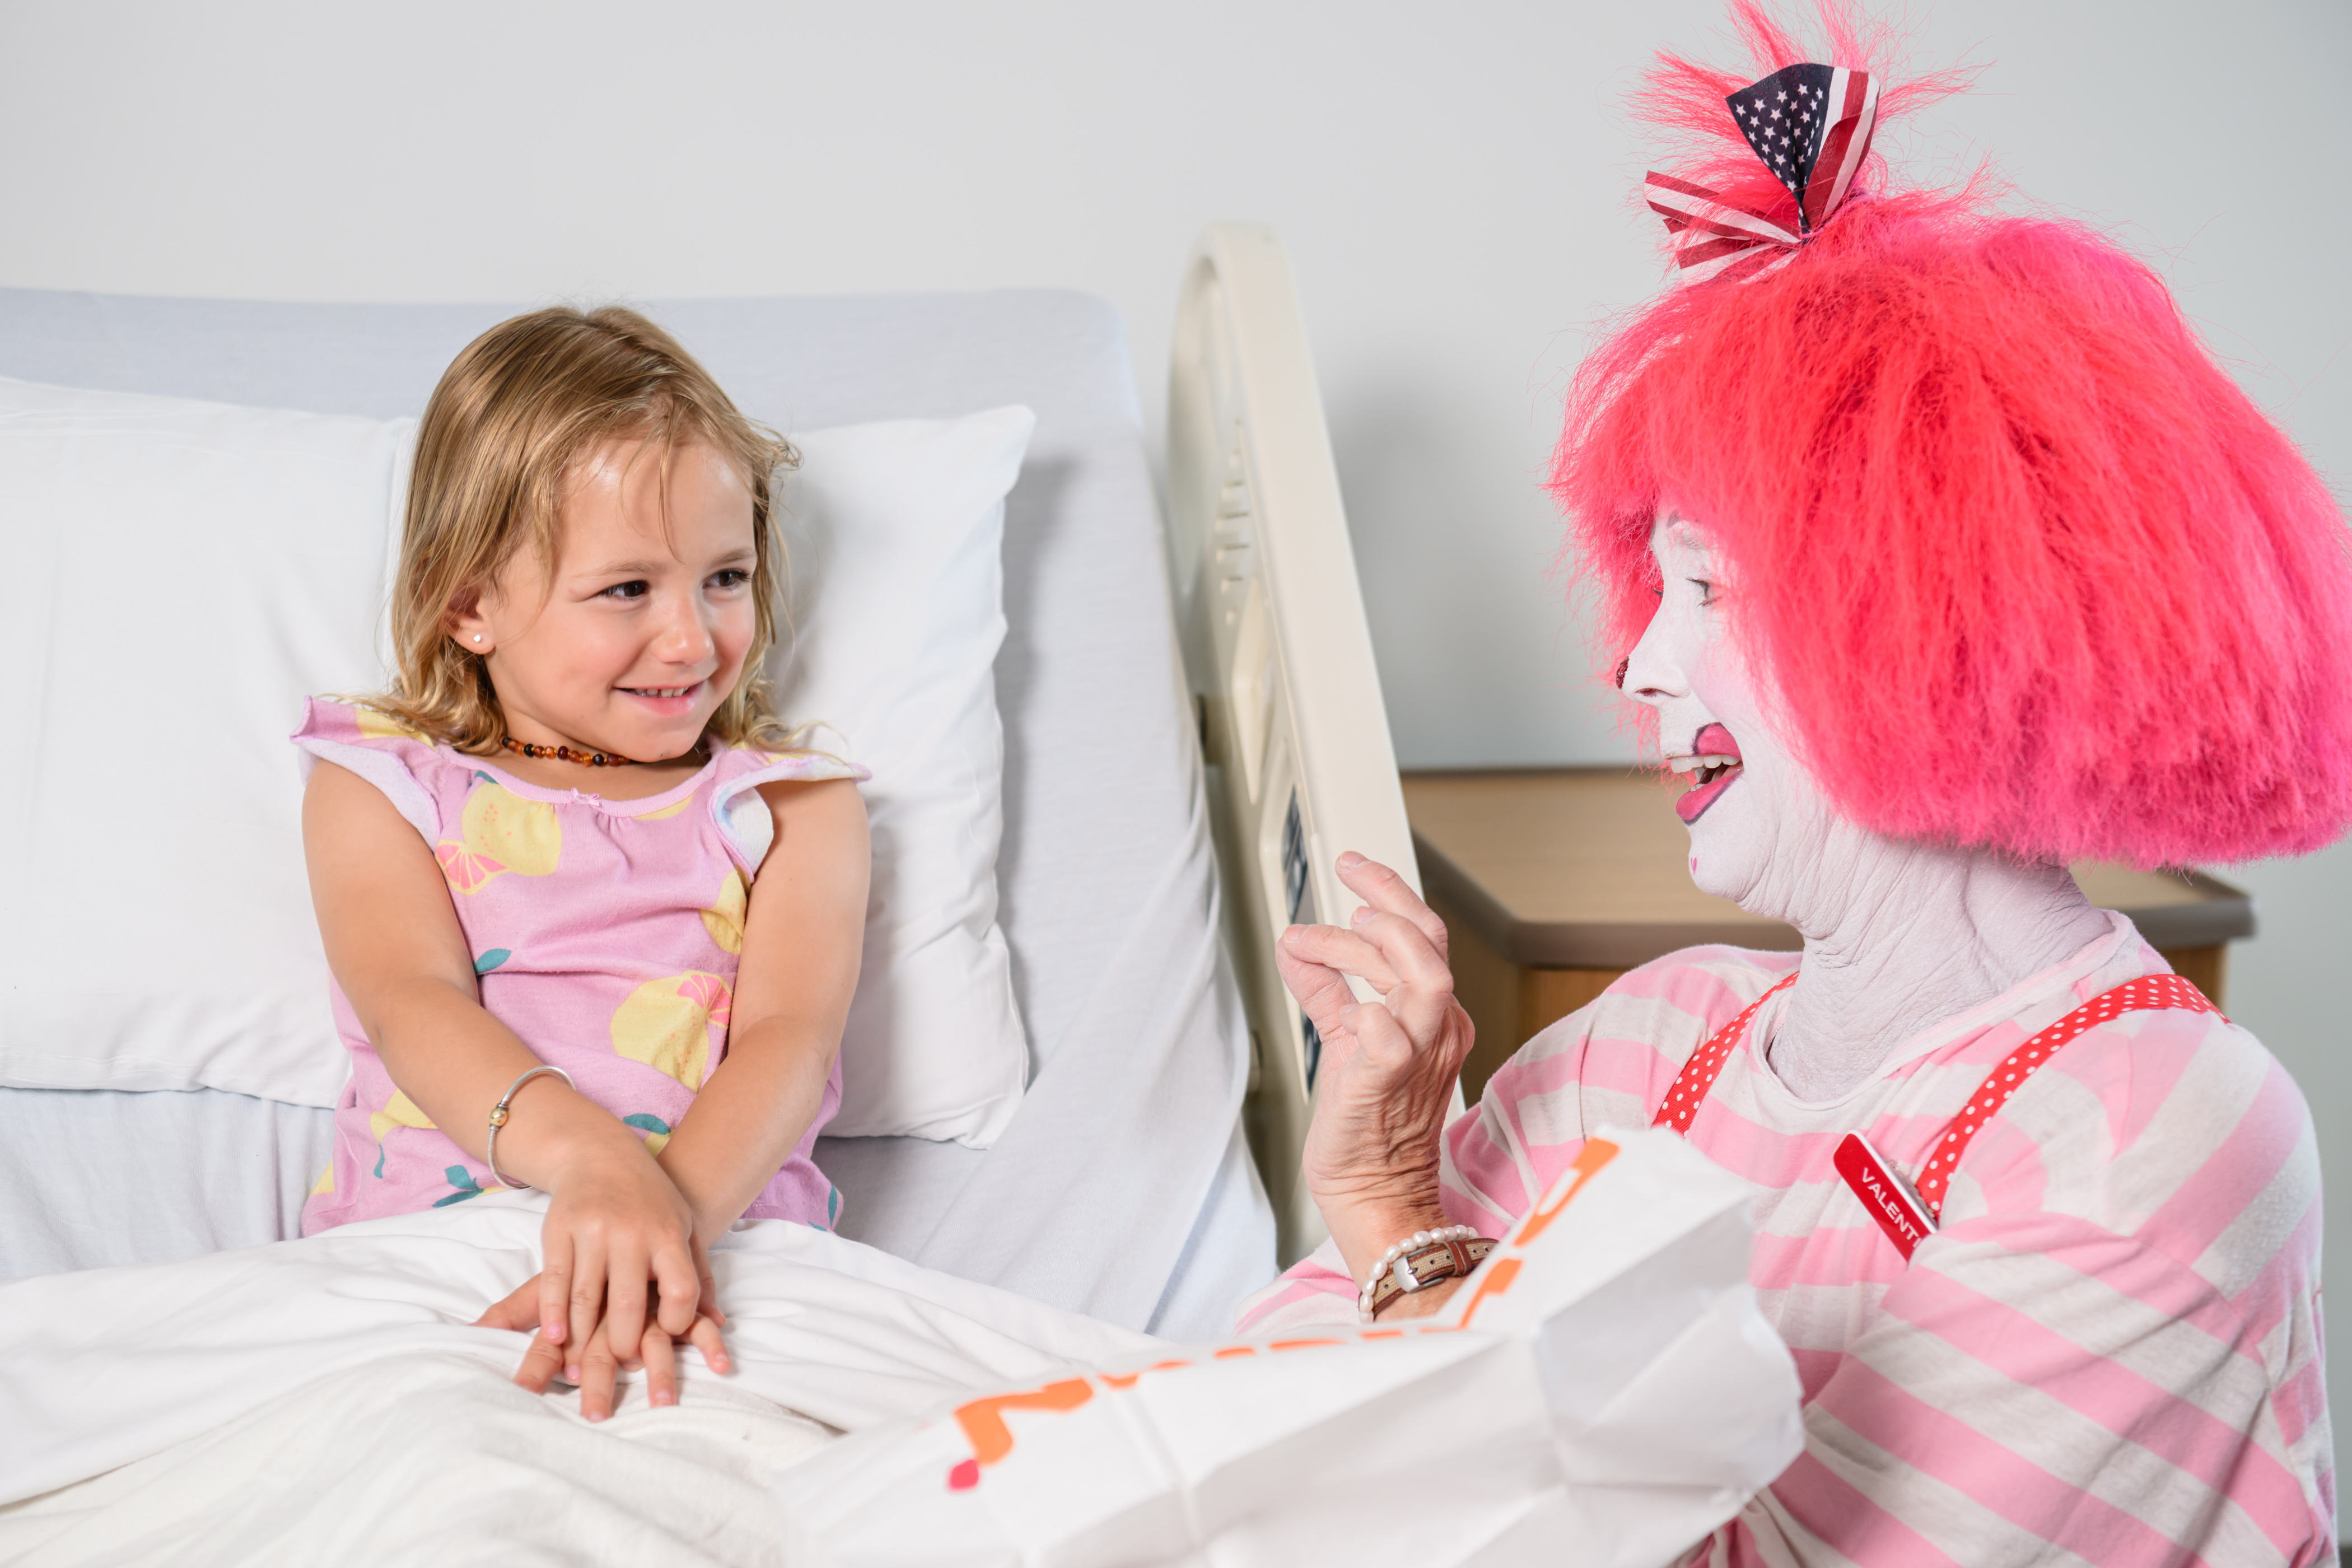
(1900, 937)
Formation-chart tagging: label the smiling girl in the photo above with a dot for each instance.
(593, 925)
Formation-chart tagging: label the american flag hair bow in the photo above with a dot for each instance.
(1810, 125)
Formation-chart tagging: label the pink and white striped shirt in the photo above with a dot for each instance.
(2108, 1353)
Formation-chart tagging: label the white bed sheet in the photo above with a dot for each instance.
(293, 1403)
(1123, 1189)
(97, 1178)
(329, 1400)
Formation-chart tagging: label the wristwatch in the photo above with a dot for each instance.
(1443, 1256)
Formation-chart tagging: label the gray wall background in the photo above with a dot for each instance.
(1456, 184)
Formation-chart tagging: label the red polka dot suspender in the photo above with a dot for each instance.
(1705, 1065)
(2149, 993)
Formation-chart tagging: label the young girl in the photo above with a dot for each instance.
(572, 881)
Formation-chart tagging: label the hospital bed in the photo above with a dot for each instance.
(1186, 708)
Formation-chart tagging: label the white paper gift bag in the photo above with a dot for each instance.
(1604, 1392)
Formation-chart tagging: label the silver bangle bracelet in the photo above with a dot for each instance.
(500, 1113)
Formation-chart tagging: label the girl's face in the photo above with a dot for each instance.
(1760, 830)
(642, 628)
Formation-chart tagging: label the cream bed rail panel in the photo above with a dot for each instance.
(1279, 658)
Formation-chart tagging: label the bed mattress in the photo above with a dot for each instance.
(1122, 1189)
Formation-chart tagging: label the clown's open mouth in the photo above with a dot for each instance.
(1715, 757)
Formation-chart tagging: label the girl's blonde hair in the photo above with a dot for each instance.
(513, 415)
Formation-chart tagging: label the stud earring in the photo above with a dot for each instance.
(478, 636)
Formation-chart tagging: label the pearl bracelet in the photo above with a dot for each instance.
(1404, 1277)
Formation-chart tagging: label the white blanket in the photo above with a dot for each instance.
(327, 1400)
(1604, 1395)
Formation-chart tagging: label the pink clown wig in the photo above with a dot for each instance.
(2024, 568)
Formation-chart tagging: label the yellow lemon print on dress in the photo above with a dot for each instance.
(401, 1111)
(502, 832)
(375, 726)
(326, 1183)
(724, 919)
(672, 809)
(666, 1024)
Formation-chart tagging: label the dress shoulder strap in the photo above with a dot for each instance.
(380, 749)
(742, 819)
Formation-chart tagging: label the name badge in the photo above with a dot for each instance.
(1883, 1193)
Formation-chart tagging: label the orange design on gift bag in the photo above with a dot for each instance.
(1129, 1379)
(1596, 1152)
(984, 1423)
(1500, 1272)
(982, 1420)
(1499, 1275)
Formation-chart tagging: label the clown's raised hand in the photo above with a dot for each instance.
(1386, 1081)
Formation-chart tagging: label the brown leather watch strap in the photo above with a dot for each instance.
(1426, 1265)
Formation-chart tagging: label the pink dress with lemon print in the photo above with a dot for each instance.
(605, 933)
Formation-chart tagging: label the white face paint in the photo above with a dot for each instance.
(1898, 934)
(1757, 819)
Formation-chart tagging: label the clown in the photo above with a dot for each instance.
(1938, 552)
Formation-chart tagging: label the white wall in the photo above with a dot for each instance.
(1456, 185)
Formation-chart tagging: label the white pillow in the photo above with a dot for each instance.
(190, 571)
(893, 535)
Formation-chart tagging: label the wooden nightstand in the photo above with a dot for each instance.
(1554, 882)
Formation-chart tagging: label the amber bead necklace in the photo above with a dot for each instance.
(566, 754)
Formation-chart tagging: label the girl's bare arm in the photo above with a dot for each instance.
(803, 937)
(393, 943)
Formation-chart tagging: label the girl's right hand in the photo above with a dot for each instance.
(614, 1223)
(597, 1367)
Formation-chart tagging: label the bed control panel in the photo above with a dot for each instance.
(1279, 657)
(1301, 894)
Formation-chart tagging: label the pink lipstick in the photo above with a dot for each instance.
(1714, 740)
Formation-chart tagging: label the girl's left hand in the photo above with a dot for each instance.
(595, 1368)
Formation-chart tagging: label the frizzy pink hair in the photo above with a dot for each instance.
(2023, 567)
